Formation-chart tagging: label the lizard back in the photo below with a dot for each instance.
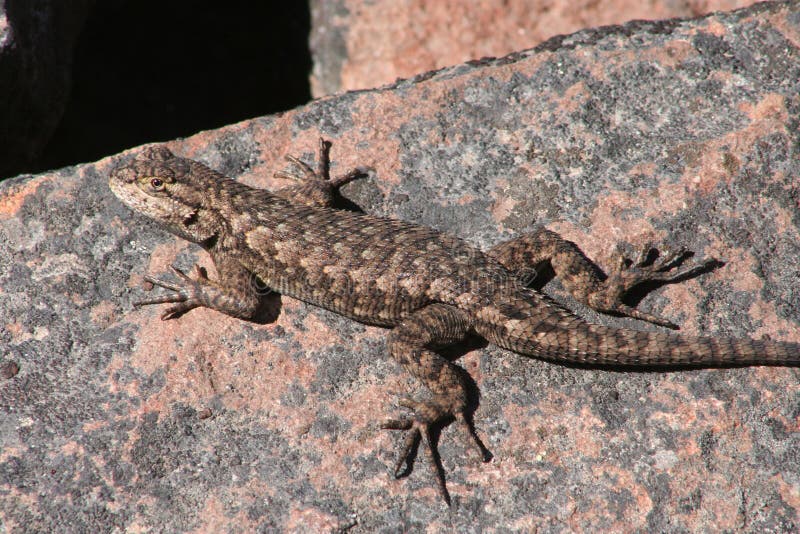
(370, 268)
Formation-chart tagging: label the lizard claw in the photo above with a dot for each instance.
(651, 268)
(308, 172)
(322, 174)
(315, 187)
(415, 431)
(417, 428)
(647, 268)
(186, 296)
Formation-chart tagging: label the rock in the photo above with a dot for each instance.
(9, 369)
(36, 42)
(357, 44)
(677, 132)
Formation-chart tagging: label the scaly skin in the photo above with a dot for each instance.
(432, 289)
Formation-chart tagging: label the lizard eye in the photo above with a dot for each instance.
(157, 184)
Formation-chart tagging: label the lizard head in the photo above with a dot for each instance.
(171, 190)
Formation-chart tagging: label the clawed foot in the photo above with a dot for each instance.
(647, 268)
(418, 427)
(321, 177)
(188, 294)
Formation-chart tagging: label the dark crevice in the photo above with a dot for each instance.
(152, 71)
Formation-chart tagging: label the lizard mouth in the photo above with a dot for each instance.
(117, 184)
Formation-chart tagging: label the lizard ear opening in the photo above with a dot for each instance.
(190, 218)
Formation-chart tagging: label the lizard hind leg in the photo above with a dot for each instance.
(586, 282)
(410, 344)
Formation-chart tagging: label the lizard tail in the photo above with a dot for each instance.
(595, 344)
(562, 336)
(629, 347)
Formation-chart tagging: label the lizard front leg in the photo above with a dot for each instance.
(586, 283)
(315, 188)
(234, 293)
(410, 343)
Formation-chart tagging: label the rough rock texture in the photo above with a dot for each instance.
(675, 132)
(36, 42)
(358, 44)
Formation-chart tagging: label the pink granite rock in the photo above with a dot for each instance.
(358, 44)
(680, 132)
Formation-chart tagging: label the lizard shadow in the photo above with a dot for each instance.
(269, 308)
(341, 202)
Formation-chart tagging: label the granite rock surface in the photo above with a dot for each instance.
(358, 44)
(673, 133)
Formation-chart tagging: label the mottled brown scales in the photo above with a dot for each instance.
(431, 288)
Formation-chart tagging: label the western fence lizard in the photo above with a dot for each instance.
(431, 288)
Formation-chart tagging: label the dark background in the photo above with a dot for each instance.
(147, 70)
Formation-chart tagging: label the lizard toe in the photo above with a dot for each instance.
(417, 428)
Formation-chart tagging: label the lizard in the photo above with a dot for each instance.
(430, 288)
